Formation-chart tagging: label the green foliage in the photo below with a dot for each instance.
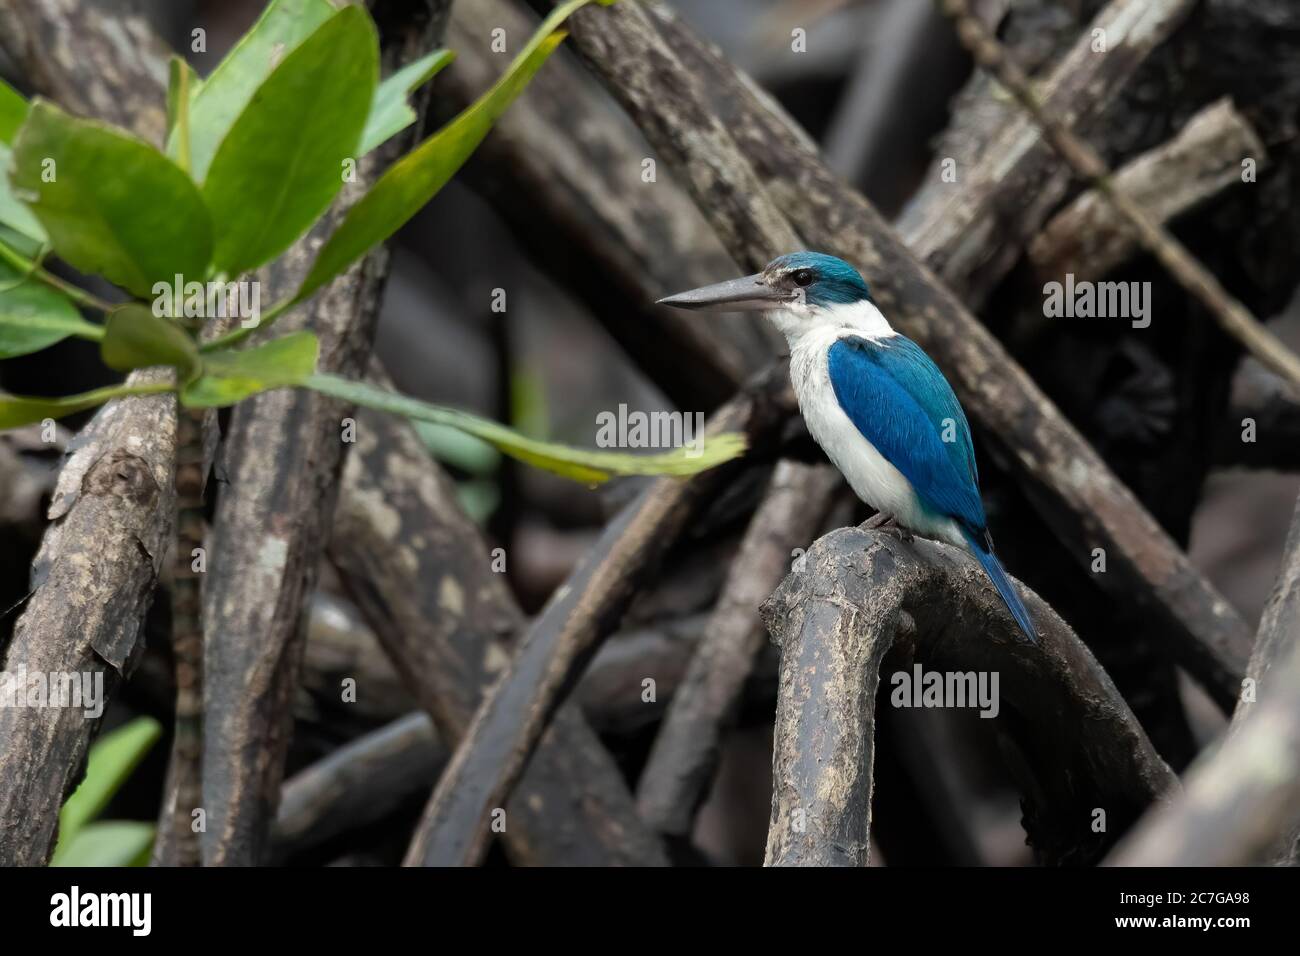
(281, 164)
(112, 760)
(579, 464)
(182, 81)
(255, 155)
(13, 110)
(455, 447)
(18, 410)
(230, 376)
(413, 180)
(108, 843)
(390, 113)
(136, 338)
(223, 96)
(115, 207)
(34, 316)
(28, 236)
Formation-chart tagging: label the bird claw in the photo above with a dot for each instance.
(889, 525)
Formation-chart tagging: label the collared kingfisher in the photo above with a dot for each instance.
(876, 404)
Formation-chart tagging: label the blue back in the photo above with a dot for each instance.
(899, 401)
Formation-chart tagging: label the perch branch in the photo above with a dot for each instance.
(865, 608)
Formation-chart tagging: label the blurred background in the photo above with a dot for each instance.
(877, 95)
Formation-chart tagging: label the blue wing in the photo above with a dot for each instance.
(902, 404)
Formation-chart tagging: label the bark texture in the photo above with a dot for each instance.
(1088, 238)
(440, 606)
(552, 653)
(677, 776)
(111, 516)
(282, 459)
(866, 607)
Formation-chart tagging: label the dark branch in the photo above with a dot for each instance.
(680, 768)
(283, 453)
(865, 607)
(422, 577)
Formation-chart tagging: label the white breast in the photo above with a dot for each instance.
(868, 473)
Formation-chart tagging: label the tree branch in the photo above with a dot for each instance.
(551, 655)
(575, 197)
(420, 573)
(284, 452)
(358, 784)
(863, 600)
(111, 516)
(1233, 316)
(1241, 804)
(1090, 238)
(972, 232)
(681, 765)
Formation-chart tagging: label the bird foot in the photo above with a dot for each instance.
(888, 524)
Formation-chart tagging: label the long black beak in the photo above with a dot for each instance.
(749, 294)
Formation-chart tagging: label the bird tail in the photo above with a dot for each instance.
(993, 568)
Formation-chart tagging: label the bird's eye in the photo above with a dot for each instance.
(803, 277)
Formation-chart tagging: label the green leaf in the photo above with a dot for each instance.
(14, 214)
(33, 316)
(110, 843)
(390, 113)
(229, 377)
(13, 110)
(136, 338)
(217, 104)
(116, 206)
(282, 162)
(17, 410)
(414, 179)
(579, 464)
(25, 247)
(182, 82)
(453, 447)
(112, 759)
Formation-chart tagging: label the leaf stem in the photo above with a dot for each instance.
(110, 392)
(33, 269)
(235, 336)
